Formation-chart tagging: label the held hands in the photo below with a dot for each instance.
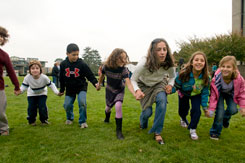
(139, 94)
(60, 94)
(97, 86)
(207, 113)
(168, 89)
(242, 111)
(17, 92)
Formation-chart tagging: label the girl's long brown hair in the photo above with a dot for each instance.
(184, 75)
(111, 61)
(152, 63)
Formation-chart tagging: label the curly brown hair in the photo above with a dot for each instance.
(111, 61)
(4, 34)
(152, 63)
(184, 75)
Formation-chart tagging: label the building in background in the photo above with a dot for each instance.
(238, 17)
(21, 65)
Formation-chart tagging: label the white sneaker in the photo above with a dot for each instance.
(193, 134)
(69, 122)
(84, 125)
(183, 124)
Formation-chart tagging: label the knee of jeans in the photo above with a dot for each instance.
(233, 111)
(147, 113)
(161, 99)
(82, 104)
(67, 106)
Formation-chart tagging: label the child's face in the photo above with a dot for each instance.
(73, 56)
(35, 70)
(122, 62)
(198, 62)
(161, 51)
(227, 69)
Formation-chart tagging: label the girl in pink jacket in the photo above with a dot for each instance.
(227, 85)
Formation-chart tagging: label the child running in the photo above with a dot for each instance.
(193, 84)
(35, 83)
(227, 85)
(5, 62)
(73, 74)
(117, 75)
(152, 79)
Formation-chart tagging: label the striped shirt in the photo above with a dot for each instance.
(37, 87)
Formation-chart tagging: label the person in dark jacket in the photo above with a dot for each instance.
(56, 74)
(73, 74)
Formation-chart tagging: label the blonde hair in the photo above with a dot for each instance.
(35, 62)
(233, 61)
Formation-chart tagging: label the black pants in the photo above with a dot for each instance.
(35, 102)
(195, 109)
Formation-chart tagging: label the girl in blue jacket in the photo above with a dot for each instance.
(192, 84)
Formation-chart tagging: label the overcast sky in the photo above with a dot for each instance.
(43, 28)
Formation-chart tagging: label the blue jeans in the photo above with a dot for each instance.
(68, 106)
(54, 79)
(222, 115)
(161, 107)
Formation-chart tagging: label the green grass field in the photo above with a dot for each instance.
(58, 142)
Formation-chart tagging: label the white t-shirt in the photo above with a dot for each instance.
(37, 87)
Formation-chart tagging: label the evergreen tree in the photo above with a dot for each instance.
(92, 58)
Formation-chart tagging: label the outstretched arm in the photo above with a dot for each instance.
(101, 78)
(130, 86)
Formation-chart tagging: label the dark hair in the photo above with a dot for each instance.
(4, 34)
(152, 63)
(184, 74)
(71, 48)
(115, 55)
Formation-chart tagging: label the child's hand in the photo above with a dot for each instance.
(139, 94)
(60, 94)
(168, 89)
(17, 92)
(207, 113)
(97, 86)
(242, 111)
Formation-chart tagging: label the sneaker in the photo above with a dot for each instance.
(214, 137)
(33, 124)
(84, 125)
(193, 134)
(4, 133)
(183, 124)
(45, 122)
(69, 122)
